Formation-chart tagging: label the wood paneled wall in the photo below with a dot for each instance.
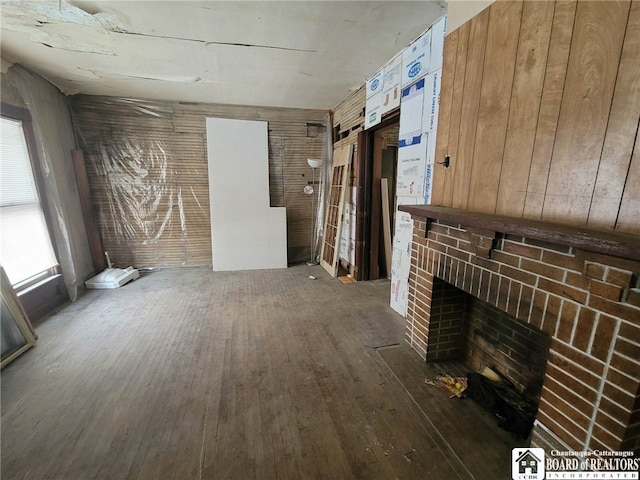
(539, 111)
(348, 119)
(147, 168)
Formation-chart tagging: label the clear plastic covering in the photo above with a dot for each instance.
(143, 196)
(143, 215)
(148, 173)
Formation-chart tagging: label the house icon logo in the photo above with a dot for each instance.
(527, 464)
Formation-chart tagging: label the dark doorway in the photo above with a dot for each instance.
(376, 164)
(383, 189)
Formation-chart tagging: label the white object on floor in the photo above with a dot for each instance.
(112, 278)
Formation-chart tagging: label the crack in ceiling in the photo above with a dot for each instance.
(78, 49)
(261, 46)
(207, 43)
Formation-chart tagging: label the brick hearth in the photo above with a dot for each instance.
(587, 301)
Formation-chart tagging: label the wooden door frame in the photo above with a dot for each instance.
(365, 195)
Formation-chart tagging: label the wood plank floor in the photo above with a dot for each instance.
(469, 430)
(193, 374)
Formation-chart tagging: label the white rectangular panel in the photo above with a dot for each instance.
(246, 233)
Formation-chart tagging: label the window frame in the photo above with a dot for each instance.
(22, 115)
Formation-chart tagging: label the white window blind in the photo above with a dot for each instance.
(25, 246)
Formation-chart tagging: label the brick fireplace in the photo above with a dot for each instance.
(578, 288)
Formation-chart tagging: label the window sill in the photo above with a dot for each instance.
(43, 297)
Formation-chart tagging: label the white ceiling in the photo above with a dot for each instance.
(306, 54)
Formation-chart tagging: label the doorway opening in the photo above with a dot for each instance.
(383, 194)
(377, 158)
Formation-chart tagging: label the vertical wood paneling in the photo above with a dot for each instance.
(444, 114)
(623, 123)
(556, 69)
(563, 152)
(629, 215)
(528, 80)
(493, 113)
(584, 113)
(471, 100)
(456, 108)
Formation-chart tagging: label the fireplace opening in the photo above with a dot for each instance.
(488, 340)
(514, 349)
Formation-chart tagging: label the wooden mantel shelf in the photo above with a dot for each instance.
(611, 243)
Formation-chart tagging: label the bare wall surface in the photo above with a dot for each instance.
(54, 137)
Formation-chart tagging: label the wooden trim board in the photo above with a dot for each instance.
(386, 224)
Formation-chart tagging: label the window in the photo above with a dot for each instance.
(26, 251)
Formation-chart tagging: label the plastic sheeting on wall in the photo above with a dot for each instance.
(147, 169)
(148, 183)
(143, 192)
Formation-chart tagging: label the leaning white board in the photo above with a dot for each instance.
(246, 233)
